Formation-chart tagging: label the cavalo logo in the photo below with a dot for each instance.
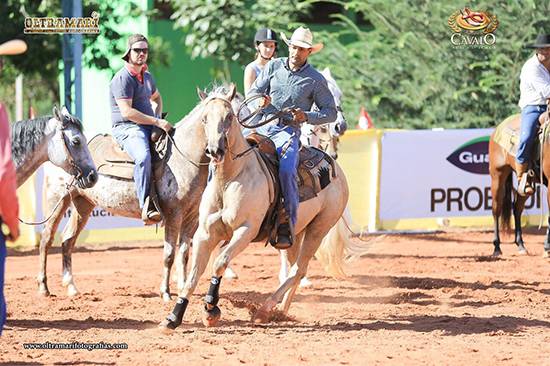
(473, 28)
(473, 156)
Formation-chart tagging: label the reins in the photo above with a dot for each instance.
(67, 190)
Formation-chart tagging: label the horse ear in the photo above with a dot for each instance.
(232, 91)
(201, 94)
(65, 111)
(57, 114)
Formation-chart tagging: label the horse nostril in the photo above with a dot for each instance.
(92, 177)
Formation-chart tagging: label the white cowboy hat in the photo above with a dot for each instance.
(302, 37)
(14, 47)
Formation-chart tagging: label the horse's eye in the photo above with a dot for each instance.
(76, 141)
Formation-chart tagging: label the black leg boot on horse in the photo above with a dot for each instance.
(525, 179)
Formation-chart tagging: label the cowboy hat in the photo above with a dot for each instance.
(13, 47)
(134, 38)
(302, 37)
(542, 41)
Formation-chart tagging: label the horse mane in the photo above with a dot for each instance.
(215, 90)
(27, 134)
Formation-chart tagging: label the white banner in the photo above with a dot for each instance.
(444, 173)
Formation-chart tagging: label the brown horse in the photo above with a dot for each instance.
(501, 166)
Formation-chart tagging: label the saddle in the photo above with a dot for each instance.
(315, 172)
(111, 160)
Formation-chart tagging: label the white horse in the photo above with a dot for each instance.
(326, 137)
(233, 206)
(58, 139)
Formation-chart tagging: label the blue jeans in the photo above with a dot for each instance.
(134, 139)
(529, 127)
(3, 254)
(287, 142)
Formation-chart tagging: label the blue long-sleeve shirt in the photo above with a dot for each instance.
(295, 89)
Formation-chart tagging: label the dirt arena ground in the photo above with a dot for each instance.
(424, 299)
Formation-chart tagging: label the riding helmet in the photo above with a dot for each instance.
(265, 34)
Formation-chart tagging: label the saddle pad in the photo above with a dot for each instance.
(507, 134)
(315, 170)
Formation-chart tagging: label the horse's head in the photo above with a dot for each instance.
(328, 142)
(68, 148)
(217, 117)
(340, 125)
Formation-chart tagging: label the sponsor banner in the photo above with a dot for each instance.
(437, 174)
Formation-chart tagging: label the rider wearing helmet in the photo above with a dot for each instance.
(265, 43)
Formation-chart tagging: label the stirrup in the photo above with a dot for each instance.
(149, 213)
(524, 188)
(285, 237)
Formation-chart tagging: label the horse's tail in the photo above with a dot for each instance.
(337, 247)
(507, 205)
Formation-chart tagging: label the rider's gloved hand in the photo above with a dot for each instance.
(298, 115)
(164, 124)
(265, 101)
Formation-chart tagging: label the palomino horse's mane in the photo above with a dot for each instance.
(27, 134)
(217, 91)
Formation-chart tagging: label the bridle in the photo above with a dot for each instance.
(72, 163)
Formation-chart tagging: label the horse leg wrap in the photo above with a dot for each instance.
(175, 318)
(213, 295)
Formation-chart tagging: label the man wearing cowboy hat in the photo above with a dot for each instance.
(9, 206)
(131, 91)
(292, 83)
(535, 90)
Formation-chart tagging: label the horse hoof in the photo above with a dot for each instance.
(261, 317)
(497, 253)
(546, 254)
(43, 292)
(523, 252)
(72, 291)
(230, 274)
(211, 317)
(164, 327)
(166, 297)
(305, 282)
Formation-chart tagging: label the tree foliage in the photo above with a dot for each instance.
(407, 73)
(223, 29)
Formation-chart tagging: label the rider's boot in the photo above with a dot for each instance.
(285, 236)
(524, 182)
(150, 214)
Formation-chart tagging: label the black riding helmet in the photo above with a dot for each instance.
(265, 34)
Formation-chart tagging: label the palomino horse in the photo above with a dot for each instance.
(233, 206)
(179, 191)
(501, 166)
(327, 137)
(58, 139)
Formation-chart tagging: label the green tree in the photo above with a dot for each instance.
(222, 29)
(407, 73)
